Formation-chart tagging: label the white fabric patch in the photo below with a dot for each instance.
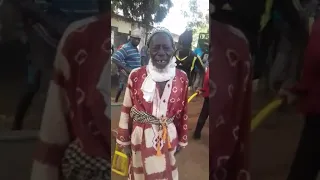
(175, 174)
(155, 164)
(122, 143)
(127, 102)
(136, 137)
(124, 118)
(136, 159)
(172, 157)
(172, 132)
(53, 118)
(138, 176)
(149, 136)
(183, 144)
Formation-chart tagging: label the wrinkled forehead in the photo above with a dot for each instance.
(161, 38)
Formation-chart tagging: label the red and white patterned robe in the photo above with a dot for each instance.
(78, 102)
(230, 103)
(145, 164)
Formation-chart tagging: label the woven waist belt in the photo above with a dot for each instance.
(78, 165)
(143, 117)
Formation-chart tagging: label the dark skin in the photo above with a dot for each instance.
(135, 41)
(161, 50)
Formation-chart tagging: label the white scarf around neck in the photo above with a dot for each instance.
(155, 75)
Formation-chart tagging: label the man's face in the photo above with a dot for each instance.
(161, 50)
(135, 41)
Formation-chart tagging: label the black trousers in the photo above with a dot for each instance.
(268, 36)
(204, 114)
(26, 101)
(306, 163)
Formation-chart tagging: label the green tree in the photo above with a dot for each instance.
(198, 21)
(147, 11)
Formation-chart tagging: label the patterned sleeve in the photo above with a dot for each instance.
(230, 92)
(310, 63)
(183, 121)
(51, 145)
(123, 137)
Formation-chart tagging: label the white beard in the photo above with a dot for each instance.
(155, 75)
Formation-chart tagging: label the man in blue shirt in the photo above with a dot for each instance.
(127, 58)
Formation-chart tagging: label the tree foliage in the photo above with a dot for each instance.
(146, 11)
(198, 21)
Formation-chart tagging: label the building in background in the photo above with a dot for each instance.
(122, 27)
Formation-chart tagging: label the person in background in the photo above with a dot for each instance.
(144, 56)
(198, 51)
(188, 60)
(33, 86)
(204, 114)
(305, 93)
(205, 55)
(128, 58)
(267, 38)
(153, 123)
(39, 57)
(75, 131)
(296, 15)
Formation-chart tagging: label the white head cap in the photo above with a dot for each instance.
(136, 33)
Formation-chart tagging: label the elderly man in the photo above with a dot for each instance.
(127, 57)
(153, 121)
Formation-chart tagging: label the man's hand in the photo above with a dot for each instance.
(290, 98)
(127, 151)
(199, 91)
(122, 67)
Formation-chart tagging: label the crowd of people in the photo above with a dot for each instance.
(127, 57)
